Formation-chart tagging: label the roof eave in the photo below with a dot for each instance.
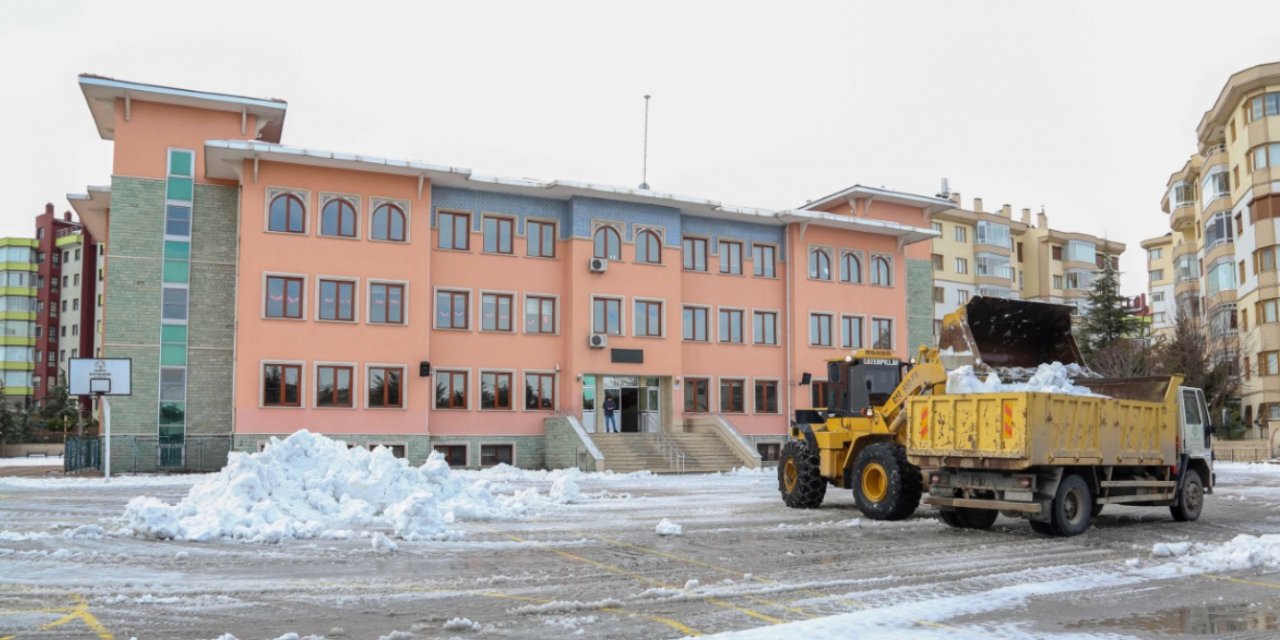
(101, 93)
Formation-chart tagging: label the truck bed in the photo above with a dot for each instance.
(1016, 431)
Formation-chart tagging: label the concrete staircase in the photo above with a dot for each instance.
(704, 452)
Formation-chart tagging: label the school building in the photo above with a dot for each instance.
(261, 288)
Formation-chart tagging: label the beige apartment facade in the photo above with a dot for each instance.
(1224, 211)
(1160, 284)
(989, 253)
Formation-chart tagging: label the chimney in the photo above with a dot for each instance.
(66, 215)
(1006, 211)
(955, 198)
(977, 205)
(1042, 220)
(48, 208)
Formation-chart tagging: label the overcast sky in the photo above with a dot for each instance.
(1084, 109)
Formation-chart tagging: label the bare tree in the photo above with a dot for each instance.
(1208, 360)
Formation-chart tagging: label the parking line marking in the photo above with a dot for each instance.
(1242, 581)
(657, 583)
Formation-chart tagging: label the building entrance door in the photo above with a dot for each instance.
(629, 408)
(638, 402)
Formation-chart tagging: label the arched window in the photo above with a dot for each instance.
(819, 264)
(338, 218)
(608, 243)
(881, 272)
(850, 268)
(648, 247)
(388, 223)
(287, 214)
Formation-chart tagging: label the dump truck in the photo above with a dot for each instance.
(1055, 458)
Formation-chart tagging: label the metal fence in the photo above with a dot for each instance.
(82, 452)
(149, 454)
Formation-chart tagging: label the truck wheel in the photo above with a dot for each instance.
(799, 479)
(1191, 502)
(1072, 509)
(966, 518)
(885, 485)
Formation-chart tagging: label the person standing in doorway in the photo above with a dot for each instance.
(610, 426)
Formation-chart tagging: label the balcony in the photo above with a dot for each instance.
(1216, 154)
(1183, 216)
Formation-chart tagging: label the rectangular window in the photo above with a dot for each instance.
(851, 332)
(1267, 311)
(731, 325)
(498, 233)
(333, 386)
(770, 451)
(648, 318)
(280, 385)
(454, 230)
(764, 325)
(937, 261)
(1057, 282)
(694, 323)
(495, 311)
(542, 238)
(962, 234)
(882, 333)
(764, 260)
(730, 257)
(1057, 252)
(1158, 274)
(962, 265)
(731, 400)
(694, 252)
(1269, 363)
(697, 395)
(820, 329)
(284, 297)
(451, 389)
(496, 454)
(453, 309)
(455, 455)
(766, 396)
(177, 220)
(174, 303)
(337, 300)
(539, 391)
(936, 226)
(173, 384)
(384, 387)
(539, 314)
(606, 316)
(386, 303)
(495, 390)
(818, 393)
(939, 294)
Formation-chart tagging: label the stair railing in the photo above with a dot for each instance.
(675, 457)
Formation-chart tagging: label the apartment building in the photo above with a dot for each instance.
(261, 288)
(66, 259)
(1223, 205)
(1160, 284)
(18, 307)
(988, 253)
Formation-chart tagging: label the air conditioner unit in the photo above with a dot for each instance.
(598, 341)
(598, 265)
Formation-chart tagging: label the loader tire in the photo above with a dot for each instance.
(885, 485)
(799, 480)
(1190, 499)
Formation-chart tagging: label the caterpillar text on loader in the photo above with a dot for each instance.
(1054, 458)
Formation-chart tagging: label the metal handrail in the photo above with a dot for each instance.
(675, 457)
(1215, 149)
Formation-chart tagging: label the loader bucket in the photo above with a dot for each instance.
(1011, 333)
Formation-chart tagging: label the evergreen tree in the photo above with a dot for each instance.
(10, 424)
(60, 410)
(1108, 319)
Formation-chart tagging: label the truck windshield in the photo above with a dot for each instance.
(881, 380)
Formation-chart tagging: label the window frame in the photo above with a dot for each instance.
(777, 396)
(376, 203)
(513, 300)
(352, 201)
(442, 372)
(303, 197)
(647, 235)
(495, 445)
(512, 392)
(755, 316)
(466, 452)
(267, 277)
(404, 302)
(661, 303)
(435, 309)
(811, 264)
(887, 261)
(555, 389)
(454, 215)
(892, 332)
(499, 220)
(315, 396)
(404, 384)
(723, 262)
(962, 266)
(688, 257)
(690, 382)
(541, 298)
(622, 314)
(706, 323)
(606, 228)
(296, 365)
(830, 316)
(742, 325)
(741, 394)
(862, 331)
(355, 299)
(540, 223)
(758, 271)
(847, 255)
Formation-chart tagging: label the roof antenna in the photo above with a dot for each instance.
(644, 180)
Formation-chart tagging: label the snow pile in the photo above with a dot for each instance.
(1240, 553)
(309, 486)
(565, 489)
(669, 528)
(461, 624)
(1048, 378)
(382, 544)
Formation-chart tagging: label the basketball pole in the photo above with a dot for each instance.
(106, 436)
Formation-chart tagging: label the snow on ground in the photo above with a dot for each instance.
(35, 461)
(1048, 378)
(669, 528)
(310, 486)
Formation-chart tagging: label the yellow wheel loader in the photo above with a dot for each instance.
(858, 440)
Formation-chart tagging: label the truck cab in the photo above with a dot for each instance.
(1195, 445)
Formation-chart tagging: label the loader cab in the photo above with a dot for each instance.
(861, 380)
